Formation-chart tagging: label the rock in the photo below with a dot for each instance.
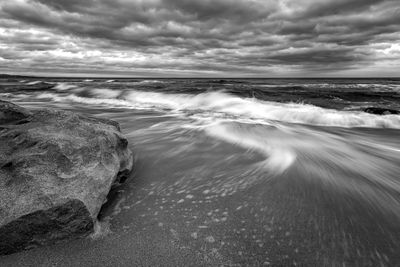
(381, 111)
(219, 81)
(56, 170)
(10, 113)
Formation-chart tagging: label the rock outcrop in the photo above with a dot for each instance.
(56, 170)
(381, 111)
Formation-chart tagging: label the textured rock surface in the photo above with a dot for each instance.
(56, 169)
(381, 111)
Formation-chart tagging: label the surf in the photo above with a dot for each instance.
(221, 103)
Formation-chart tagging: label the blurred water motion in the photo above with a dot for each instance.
(241, 173)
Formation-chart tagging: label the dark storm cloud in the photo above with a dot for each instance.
(325, 8)
(232, 10)
(208, 36)
(312, 56)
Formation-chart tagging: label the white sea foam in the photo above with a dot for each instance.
(276, 85)
(101, 229)
(64, 86)
(279, 156)
(148, 81)
(331, 158)
(84, 100)
(222, 104)
(33, 82)
(105, 93)
(266, 110)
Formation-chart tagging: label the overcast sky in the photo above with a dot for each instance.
(264, 38)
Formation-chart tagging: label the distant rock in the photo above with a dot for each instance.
(381, 111)
(56, 170)
(219, 81)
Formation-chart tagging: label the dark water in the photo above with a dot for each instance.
(239, 172)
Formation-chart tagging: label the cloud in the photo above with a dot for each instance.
(218, 37)
(325, 8)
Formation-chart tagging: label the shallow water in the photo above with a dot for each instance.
(227, 178)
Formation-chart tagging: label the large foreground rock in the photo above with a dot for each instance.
(56, 169)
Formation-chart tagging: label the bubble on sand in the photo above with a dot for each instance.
(180, 201)
(210, 239)
(194, 235)
(174, 233)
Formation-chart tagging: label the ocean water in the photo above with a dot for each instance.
(240, 171)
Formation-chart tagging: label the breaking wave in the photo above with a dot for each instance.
(279, 156)
(223, 104)
(33, 82)
(64, 86)
(330, 158)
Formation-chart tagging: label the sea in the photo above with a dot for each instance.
(238, 172)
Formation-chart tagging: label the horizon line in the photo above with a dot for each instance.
(194, 77)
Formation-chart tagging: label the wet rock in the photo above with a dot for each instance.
(381, 111)
(56, 170)
(10, 113)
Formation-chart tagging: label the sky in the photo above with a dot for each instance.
(201, 38)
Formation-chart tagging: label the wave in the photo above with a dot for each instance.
(338, 87)
(85, 100)
(64, 86)
(105, 93)
(348, 161)
(148, 81)
(33, 82)
(258, 109)
(279, 157)
(223, 104)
